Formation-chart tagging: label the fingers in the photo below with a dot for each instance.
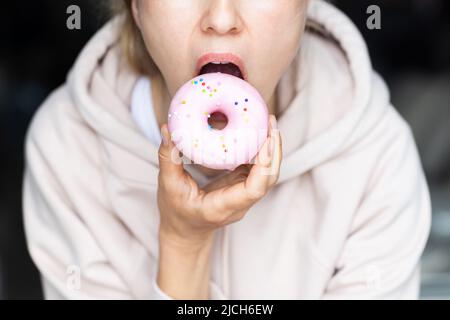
(263, 175)
(237, 175)
(170, 164)
(265, 171)
(276, 153)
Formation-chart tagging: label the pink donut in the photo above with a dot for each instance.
(242, 137)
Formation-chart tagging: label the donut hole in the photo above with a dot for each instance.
(218, 120)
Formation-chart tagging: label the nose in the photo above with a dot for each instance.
(221, 17)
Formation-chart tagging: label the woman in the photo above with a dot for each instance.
(344, 214)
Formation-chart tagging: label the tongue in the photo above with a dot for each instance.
(228, 68)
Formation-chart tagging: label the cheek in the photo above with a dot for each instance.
(280, 24)
(276, 28)
(167, 40)
(160, 31)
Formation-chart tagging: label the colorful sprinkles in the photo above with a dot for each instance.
(206, 88)
(210, 89)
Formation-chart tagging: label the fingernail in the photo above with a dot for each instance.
(165, 135)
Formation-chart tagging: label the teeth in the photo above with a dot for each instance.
(220, 62)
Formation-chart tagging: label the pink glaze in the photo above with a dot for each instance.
(237, 143)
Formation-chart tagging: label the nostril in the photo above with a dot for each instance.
(218, 120)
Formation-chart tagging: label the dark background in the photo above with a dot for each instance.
(411, 51)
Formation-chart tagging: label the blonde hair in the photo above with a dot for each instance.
(131, 40)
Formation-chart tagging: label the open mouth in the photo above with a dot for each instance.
(228, 63)
(223, 67)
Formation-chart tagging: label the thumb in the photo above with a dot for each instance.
(170, 163)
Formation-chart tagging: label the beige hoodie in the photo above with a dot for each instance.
(349, 217)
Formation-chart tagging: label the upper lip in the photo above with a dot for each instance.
(220, 57)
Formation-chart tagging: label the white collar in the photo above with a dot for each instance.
(142, 110)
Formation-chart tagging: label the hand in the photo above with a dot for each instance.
(190, 214)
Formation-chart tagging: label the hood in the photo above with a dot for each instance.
(328, 97)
